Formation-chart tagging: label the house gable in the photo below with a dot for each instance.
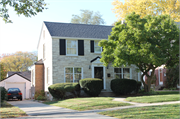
(16, 78)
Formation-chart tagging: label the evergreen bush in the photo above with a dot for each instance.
(123, 86)
(91, 86)
(58, 90)
(3, 94)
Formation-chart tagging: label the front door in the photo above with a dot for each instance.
(98, 73)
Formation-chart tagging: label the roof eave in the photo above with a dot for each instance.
(58, 37)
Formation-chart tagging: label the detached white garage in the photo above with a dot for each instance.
(17, 80)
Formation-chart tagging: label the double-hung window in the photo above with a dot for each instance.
(71, 47)
(97, 49)
(120, 73)
(48, 75)
(44, 51)
(73, 74)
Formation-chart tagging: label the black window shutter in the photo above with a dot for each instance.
(62, 46)
(80, 47)
(92, 45)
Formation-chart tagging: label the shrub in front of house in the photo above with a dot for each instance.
(3, 94)
(91, 86)
(59, 90)
(123, 86)
(40, 95)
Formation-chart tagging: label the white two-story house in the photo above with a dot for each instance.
(69, 52)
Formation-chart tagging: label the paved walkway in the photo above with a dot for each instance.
(40, 110)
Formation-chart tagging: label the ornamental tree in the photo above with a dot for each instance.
(146, 42)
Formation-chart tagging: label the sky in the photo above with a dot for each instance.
(23, 34)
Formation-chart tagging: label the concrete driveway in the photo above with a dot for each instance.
(39, 110)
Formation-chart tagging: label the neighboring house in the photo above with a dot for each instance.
(21, 80)
(69, 52)
(160, 72)
(160, 76)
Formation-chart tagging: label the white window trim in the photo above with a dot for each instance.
(94, 47)
(73, 73)
(104, 73)
(160, 70)
(76, 48)
(122, 71)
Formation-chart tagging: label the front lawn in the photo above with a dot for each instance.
(9, 111)
(160, 92)
(154, 98)
(82, 104)
(153, 112)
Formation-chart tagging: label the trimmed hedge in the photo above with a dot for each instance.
(58, 90)
(91, 86)
(123, 86)
(3, 94)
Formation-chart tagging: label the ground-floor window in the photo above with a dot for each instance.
(73, 74)
(120, 73)
(48, 76)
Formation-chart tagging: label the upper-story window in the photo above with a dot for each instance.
(71, 48)
(121, 73)
(97, 49)
(44, 48)
(94, 46)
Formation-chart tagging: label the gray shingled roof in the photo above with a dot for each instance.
(25, 74)
(39, 62)
(78, 30)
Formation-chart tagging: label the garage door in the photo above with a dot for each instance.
(21, 86)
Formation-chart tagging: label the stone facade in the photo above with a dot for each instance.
(59, 62)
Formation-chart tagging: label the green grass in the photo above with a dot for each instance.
(166, 92)
(153, 112)
(154, 98)
(82, 104)
(9, 111)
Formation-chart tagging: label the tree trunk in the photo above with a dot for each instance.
(147, 87)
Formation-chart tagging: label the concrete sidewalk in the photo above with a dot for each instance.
(40, 110)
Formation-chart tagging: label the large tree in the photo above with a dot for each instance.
(19, 61)
(3, 71)
(88, 17)
(145, 42)
(27, 8)
(148, 7)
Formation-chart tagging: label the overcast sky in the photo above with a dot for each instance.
(23, 33)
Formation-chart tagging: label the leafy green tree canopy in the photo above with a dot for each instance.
(88, 17)
(26, 7)
(145, 42)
